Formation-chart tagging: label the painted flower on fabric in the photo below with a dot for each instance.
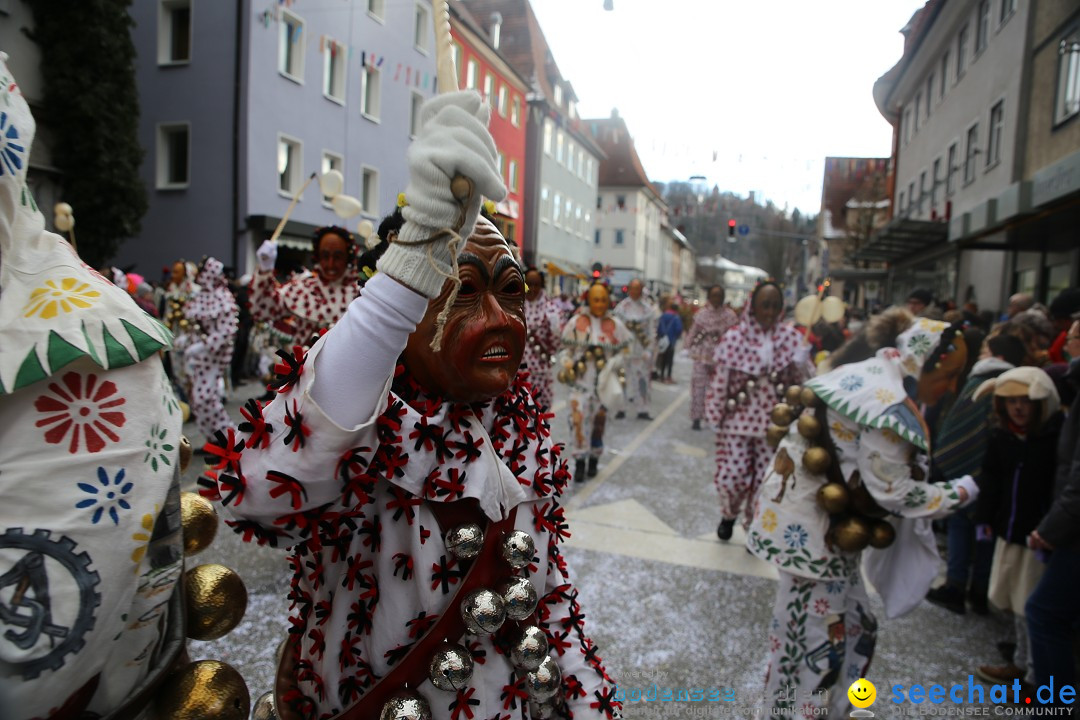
(70, 294)
(142, 538)
(915, 497)
(919, 343)
(885, 396)
(12, 148)
(795, 536)
(84, 407)
(934, 503)
(874, 370)
(108, 497)
(768, 520)
(851, 383)
(834, 587)
(821, 606)
(168, 397)
(157, 450)
(774, 643)
(840, 432)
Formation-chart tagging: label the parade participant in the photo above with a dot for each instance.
(668, 332)
(310, 302)
(849, 461)
(542, 320)
(181, 286)
(410, 471)
(594, 344)
(212, 316)
(640, 316)
(710, 323)
(755, 361)
(90, 553)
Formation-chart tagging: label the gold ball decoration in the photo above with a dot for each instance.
(809, 427)
(833, 498)
(782, 414)
(216, 601)
(600, 362)
(204, 690)
(185, 453)
(851, 534)
(567, 363)
(816, 460)
(882, 534)
(808, 398)
(185, 411)
(580, 367)
(793, 395)
(200, 522)
(774, 435)
(588, 355)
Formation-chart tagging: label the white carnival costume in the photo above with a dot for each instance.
(640, 318)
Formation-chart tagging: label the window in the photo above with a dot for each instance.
(923, 191)
(982, 26)
(929, 93)
(918, 106)
(174, 32)
(456, 55)
(972, 151)
(414, 113)
(291, 46)
(173, 157)
(907, 125)
(596, 238)
(560, 144)
(290, 164)
(376, 8)
(577, 220)
(556, 210)
(619, 237)
(935, 181)
(331, 161)
(512, 176)
(334, 68)
(997, 129)
(944, 74)
(422, 29)
(950, 170)
(558, 95)
(370, 93)
(599, 202)
(369, 190)
(502, 100)
(620, 202)
(471, 73)
(570, 151)
(547, 136)
(1068, 90)
(901, 205)
(510, 232)
(545, 204)
(1008, 7)
(912, 202)
(489, 89)
(515, 111)
(961, 51)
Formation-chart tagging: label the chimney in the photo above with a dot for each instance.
(496, 28)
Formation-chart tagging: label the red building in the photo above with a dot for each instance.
(481, 67)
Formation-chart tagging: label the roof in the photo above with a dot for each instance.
(622, 167)
(902, 238)
(915, 32)
(461, 13)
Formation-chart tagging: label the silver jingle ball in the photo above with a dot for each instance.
(518, 549)
(773, 377)
(750, 385)
(541, 711)
(530, 649)
(264, 708)
(731, 404)
(465, 541)
(483, 612)
(451, 667)
(742, 398)
(519, 597)
(545, 681)
(406, 705)
(780, 389)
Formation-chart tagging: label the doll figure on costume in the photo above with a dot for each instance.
(213, 318)
(90, 551)
(542, 319)
(710, 324)
(594, 345)
(755, 361)
(311, 302)
(407, 466)
(852, 472)
(640, 316)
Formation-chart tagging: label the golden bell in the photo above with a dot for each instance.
(808, 398)
(851, 534)
(833, 498)
(774, 435)
(184, 323)
(809, 427)
(185, 453)
(882, 534)
(580, 367)
(216, 601)
(600, 363)
(588, 354)
(200, 522)
(185, 411)
(562, 377)
(567, 363)
(793, 395)
(204, 690)
(816, 460)
(782, 414)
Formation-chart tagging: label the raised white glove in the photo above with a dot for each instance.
(968, 483)
(453, 139)
(266, 255)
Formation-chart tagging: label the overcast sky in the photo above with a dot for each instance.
(767, 87)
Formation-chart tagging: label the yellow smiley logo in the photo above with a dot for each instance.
(862, 693)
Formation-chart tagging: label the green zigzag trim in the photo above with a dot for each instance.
(118, 355)
(61, 352)
(30, 371)
(90, 346)
(145, 345)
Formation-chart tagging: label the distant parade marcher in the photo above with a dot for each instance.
(755, 361)
(213, 318)
(180, 288)
(640, 316)
(593, 341)
(544, 326)
(311, 302)
(668, 332)
(848, 475)
(710, 324)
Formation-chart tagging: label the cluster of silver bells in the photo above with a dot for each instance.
(743, 396)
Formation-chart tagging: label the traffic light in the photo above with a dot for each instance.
(731, 228)
(597, 269)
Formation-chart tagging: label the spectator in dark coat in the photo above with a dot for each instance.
(670, 327)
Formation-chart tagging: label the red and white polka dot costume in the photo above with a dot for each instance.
(309, 303)
(709, 326)
(542, 319)
(213, 314)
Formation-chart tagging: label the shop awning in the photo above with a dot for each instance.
(901, 238)
(569, 270)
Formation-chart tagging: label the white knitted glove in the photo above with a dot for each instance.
(266, 255)
(452, 140)
(968, 483)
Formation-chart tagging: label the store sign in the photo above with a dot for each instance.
(1058, 180)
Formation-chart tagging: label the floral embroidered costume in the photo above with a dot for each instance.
(709, 326)
(822, 634)
(542, 318)
(213, 317)
(640, 317)
(90, 549)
